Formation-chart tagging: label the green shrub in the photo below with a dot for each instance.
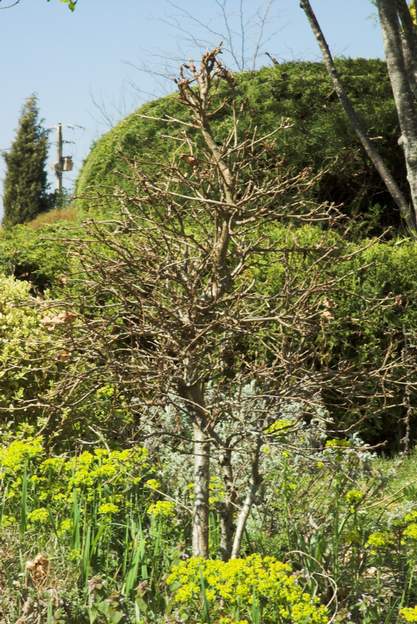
(330, 527)
(255, 589)
(26, 347)
(347, 520)
(38, 256)
(320, 136)
(369, 323)
(68, 214)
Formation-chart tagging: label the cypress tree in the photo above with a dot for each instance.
(25, 185)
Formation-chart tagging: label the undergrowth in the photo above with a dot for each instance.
(102, 536)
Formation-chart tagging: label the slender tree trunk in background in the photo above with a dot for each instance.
(254, 484)
(228, 507)
(402, 82)
(226, 530)
(409, 44)
(201, 492)
(407, 213)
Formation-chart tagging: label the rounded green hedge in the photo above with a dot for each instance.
(320, 136)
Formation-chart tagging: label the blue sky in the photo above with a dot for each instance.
(92, 67)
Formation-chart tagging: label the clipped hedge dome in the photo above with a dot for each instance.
(320, 136)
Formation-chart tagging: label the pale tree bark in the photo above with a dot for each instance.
(409, 44)
(402, 81)
(255, 481)
(407, 212)
(193, 396)
(220, 281)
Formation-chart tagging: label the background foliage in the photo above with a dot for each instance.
(25, 183)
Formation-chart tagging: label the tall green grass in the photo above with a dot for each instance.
(345, 521)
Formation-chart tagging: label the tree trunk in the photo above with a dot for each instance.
(254, 484)
(401, 83)
(409, 43)
(227, 509)
(406, 211)
(193, 396)
(226, 530)
(201, 491)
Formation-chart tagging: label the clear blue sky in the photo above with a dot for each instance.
(87, 67)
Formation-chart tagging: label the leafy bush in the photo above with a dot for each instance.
(369, 322)
(255, 589)
(39, 255)
(60, 491)
(25, 349)
(383, 334)
(88, 536)
(57, 215)
(352, 331)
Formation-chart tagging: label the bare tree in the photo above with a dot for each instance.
(173, 316)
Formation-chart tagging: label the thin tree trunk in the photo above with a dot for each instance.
(401, 82)
(193, 395)
(227, 509)
(201, 492)
(410, 62)
(389, 181)
(254, 484)
(226, 530)
(409, 43)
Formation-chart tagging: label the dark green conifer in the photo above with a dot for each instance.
(25, 186)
